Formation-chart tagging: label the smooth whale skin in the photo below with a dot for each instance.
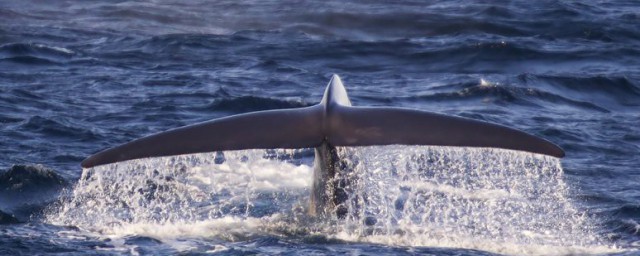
(331, 123)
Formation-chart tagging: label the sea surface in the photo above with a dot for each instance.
(77, 77)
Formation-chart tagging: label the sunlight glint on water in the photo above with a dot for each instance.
(487, 199)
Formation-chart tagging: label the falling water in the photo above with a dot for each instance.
(488, 199)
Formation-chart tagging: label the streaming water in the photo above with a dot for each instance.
(492, 200)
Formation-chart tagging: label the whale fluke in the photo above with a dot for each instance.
(366, 126)
(334, 122)
(285, 128)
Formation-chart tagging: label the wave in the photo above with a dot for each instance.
(627, 211)
(165, 107)
(6, 218)
(254, 103)
(629, 226)
(621, 219)
(60, 128)
(505, 95)
(26, 191)
(34, 54)
(8, 119)
(620, 90)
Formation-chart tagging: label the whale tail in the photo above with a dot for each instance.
(334, 121)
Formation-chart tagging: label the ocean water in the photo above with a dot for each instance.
(77, 77)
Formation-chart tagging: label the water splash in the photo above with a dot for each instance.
(488, 199)
(182, 189)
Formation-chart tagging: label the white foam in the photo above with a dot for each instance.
(485, 83)
(55, 48)
(228, 228)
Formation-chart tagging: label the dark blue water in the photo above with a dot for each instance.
(77, 77)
